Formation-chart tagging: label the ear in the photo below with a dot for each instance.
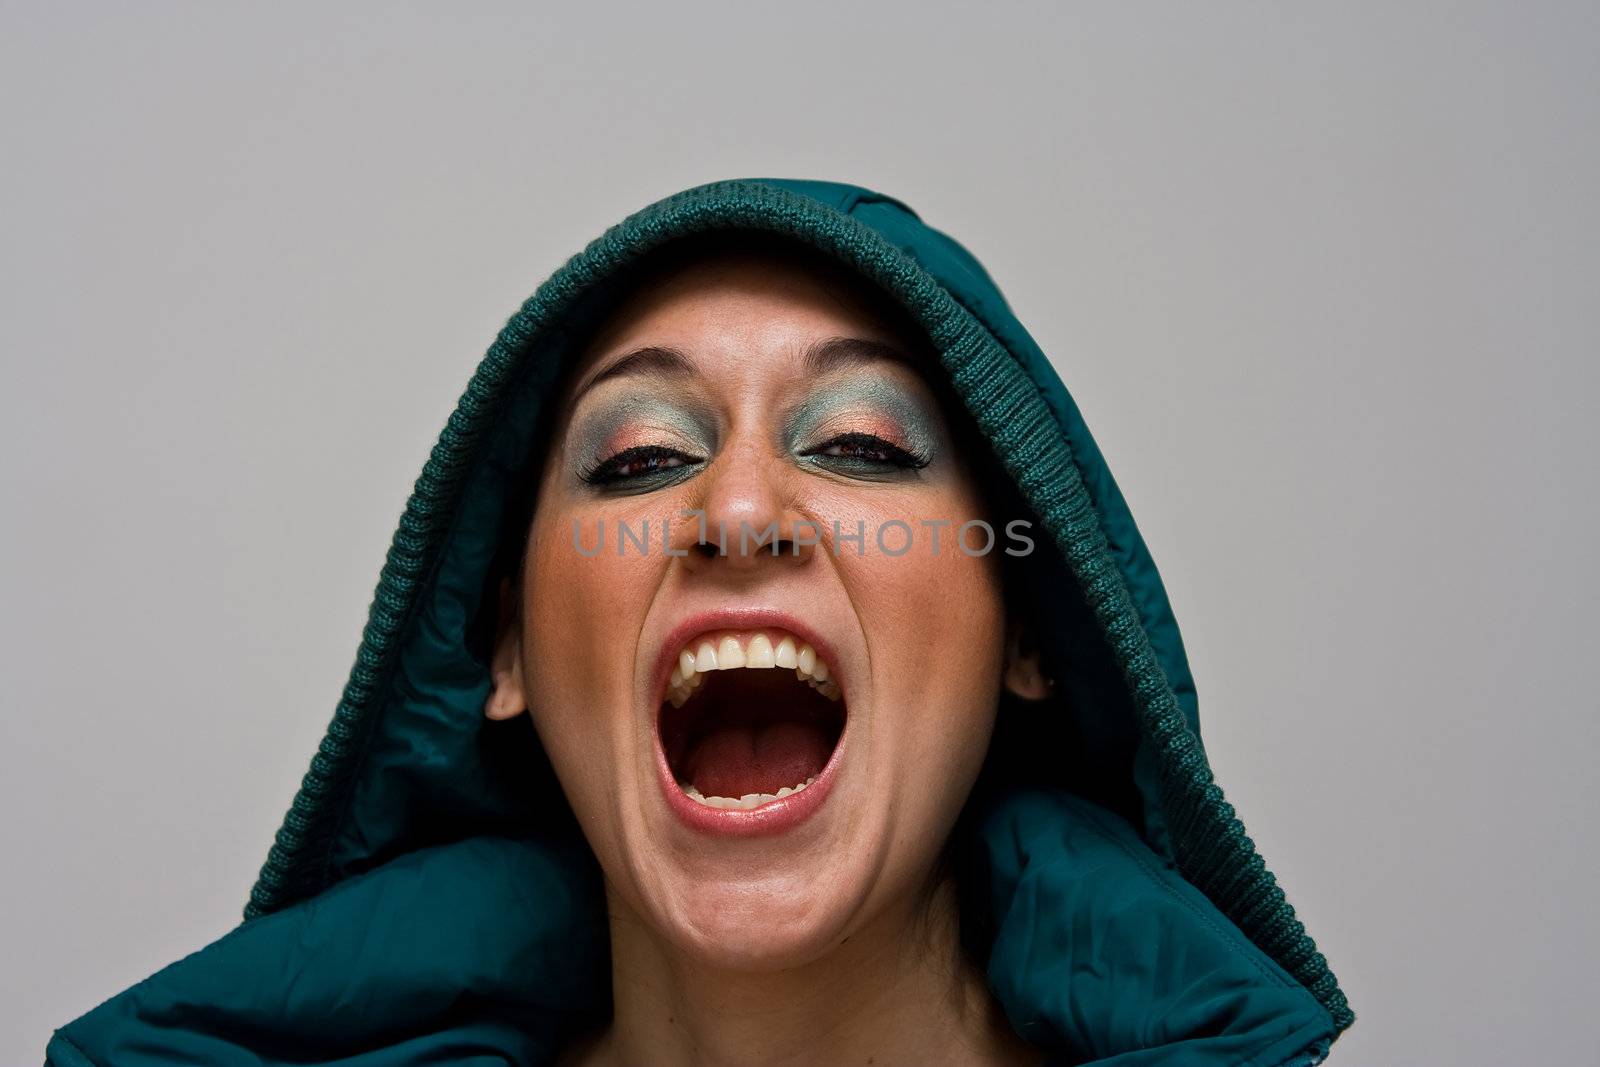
(506, 697)
(1024, 676)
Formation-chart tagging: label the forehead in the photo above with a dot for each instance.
(735, 304)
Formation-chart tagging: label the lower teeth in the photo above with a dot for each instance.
(746, 802)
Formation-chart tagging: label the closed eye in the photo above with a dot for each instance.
(642, 464)
(867, 448)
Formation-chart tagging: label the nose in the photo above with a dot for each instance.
(743, 519)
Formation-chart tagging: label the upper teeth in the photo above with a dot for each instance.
(760, 650)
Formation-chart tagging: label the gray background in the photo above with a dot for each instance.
(1322, 278)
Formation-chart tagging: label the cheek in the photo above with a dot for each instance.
(586, 599)
(936, 632)
(950, 637)
(585, 616)
(935, 626)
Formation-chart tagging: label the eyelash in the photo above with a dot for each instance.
(881, 452)
(660, 459)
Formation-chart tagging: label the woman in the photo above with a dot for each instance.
(766, 670)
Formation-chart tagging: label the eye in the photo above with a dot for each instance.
(642, 463)
(867, 449)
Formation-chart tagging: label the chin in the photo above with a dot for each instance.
(773, 923)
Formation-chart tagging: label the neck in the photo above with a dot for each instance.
(898, 991)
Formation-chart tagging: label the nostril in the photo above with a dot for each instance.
(780, 547)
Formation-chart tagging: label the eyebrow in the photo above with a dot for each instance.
(651, 360)
(837, 353)
(821, 357)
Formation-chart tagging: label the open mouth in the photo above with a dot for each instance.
(749, 718)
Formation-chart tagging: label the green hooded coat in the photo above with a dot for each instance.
(429, 901)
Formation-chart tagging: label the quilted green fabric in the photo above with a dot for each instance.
(428, 899)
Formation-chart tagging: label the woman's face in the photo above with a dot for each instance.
(683, 693)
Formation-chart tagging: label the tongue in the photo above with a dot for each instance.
(734, 760)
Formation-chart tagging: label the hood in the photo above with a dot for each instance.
(428, 898)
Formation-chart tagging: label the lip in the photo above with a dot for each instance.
(775, 816)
